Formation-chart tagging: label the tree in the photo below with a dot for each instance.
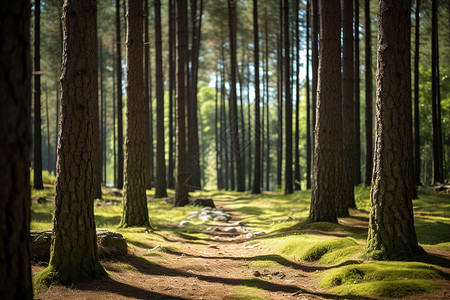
(15, 134)
(120, 159)
(38, 185)
(368, 71)
(181, 192)
(235, 146)
(74, 255)
(314, 66)
(288, 187)
(356, 86)
(416, 95)
(308, 100)
(348, 105)
(170, 177)
(160, 180)
(392, 234)
(148, 125)
(257, 169)
(327, 176)
(135, 210)
(297, 171)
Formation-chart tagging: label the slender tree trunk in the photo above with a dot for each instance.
(38, 185)
(257, 169)
(148, 103)
(74, 255)
(348, 107)
(280, 101)
(170, 175)
(288, 186)
(160, 180)
(101, 170)
(416, 95)
(368, 71)
(392, 234)
(266, 30)
(216, 132)
(357, 126)
(297, 179)
(181, 192)
(326, 198)
(135, 210)
(240, 177)
(308, 100)
(15, 134)
(315, 66)
(49, 160)
(249, 133)
(119, 104)
(114, 70)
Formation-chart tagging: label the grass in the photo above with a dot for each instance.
(289, 238)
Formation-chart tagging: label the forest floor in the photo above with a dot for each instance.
(221, 261)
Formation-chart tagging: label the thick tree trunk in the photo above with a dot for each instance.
(391, 227)
(160, 180)
(308, 101)
(102, 163)
(314, 66)
(181, 192)
(38, 185)
(119, 104)
(235, 145)
(170, 175)
(357, 126)
(326, 198)
(257, 169)
(416, 96)
(288, 181)
(135, 210)
(368, 109)
(74, 255)
(148, 103)
(15, 134)
(348, 107)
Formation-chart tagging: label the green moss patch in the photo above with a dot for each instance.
(381, 279)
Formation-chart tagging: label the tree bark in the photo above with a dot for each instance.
(348, 106)
(135, 210)
(74, 255)
(357, 126)
(314, 66)
(392, 234)
(266, 30)
(119, 104)
(280, 99)
(38, 185)
(170, 175)
(160, 180)
(297, 171)
(288, 181)
(416, 95)
(308, 100)
(15, 134)
(326, 198)
(181, 192)
(368, 71)
(148, 104)
(257, 168)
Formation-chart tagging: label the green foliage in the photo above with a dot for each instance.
(47, 177)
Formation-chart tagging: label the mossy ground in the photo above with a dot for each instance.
(289, 239)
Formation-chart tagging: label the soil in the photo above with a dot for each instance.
(216, 270)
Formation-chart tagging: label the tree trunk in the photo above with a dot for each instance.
(49, 159)
(15, 134)
(102, 162)
(135, 210)
(416, 95)
(181, 192)
(257, 169)
(74, 255)
(391, 227)
(326, 198)
(235, 145)
(315, 66)
(120, 159)
(357, 126)
(280, 101)
(148, 104)
(266, 30)
(160, 180)
(308, 101)
(288, 187)
(114, 70)
(38, 185)
(297, 179)
(368, 71)
(348, 106)
(216, 131)
(170, 175)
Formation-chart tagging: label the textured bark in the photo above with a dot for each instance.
(181, 192)
(416, 96)
(15, 134)
(314, 66)
(170, 175)
(119, 104)
(357, 127)
(280, 101)
(135, 210)
(148, 124)
(257, 169)
(97, 155)
(266, 31)
(102, 169)
(348, 106)
(391, 227)
(368, 108)
(235, 145)
(160, 179)
(308, 101)
(38, 185)
(297, 171)
(326, 198)
(288, 181)
(114, 70)
(74, 255)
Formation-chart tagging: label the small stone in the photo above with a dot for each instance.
(230, 229)
(185, 223)
(205, 218)
(257, 273)
(215, 246)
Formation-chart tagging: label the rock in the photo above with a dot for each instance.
(256, 274)
(207, 202)
(109, 244)
(185, 223)
(205, 218)
(230, 229)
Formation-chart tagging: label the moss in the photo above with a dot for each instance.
(243, 297)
